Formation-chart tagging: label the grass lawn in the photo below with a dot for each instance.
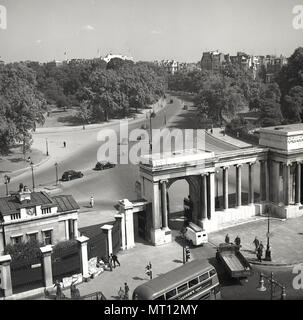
(15, 159)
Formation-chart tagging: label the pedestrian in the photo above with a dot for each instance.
(110, 263)
(115, 260)
(259, 254)
(91, 202)
(59, 294)
(261, 246)
(227, 239)
(238, 241)
(256, 242)
(126, 291)
(121, 294)
(64, 144)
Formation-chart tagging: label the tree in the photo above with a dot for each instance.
(292, 105)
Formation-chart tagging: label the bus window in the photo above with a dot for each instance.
(171, 294)
(160, 297)
(212, 272)
(205, 297)
(182, 288)
(193, 282)
(206, 284)
(203, 277)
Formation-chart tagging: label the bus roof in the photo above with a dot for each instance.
(173, 278)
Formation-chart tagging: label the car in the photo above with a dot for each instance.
(71, 174)
(101, 165)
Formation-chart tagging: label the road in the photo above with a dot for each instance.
(110, 185)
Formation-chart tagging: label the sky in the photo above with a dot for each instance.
(44, 30)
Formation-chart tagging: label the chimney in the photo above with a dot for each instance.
(24, 193)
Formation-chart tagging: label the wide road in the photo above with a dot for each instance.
(110, 185)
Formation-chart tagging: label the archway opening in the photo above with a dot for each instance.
(177, 191)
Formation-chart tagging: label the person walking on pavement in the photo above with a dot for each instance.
(64, 144)
(261, 246)
(256, 242)
(227, 240)
(115, 260)
(126, 291)
(238, 243)
(259, 253)
(91, 202)
(121, 293)
(110, 263)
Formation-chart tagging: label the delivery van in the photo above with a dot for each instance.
(195, 234)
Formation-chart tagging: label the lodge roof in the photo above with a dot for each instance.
(11, 204)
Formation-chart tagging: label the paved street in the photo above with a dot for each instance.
(107, 186)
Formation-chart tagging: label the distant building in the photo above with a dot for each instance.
(29, 215)
(110, 56)
(213, 61)
(171, 66)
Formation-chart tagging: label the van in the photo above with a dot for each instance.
(196, 235)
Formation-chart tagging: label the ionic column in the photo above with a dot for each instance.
(225, 188)
(238, 185)
(286, 184)
(164, 204)
(211, 195)
(250, 183)
(298, 183)
(204, 195)
(66, 229)
(76, 232)
(274, 181)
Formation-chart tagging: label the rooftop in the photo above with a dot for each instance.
(11, 204)
(289, 129)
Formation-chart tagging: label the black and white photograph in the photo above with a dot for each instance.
(151, 150)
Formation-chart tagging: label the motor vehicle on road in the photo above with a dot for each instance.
(102, 165)
(71, 174)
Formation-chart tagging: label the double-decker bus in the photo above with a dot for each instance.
(195, 280)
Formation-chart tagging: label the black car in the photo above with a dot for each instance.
(71, 174)
(101, 165)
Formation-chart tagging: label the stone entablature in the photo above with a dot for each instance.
(288, 137)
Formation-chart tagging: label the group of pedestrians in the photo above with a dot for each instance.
(259, 247)
(112, 262)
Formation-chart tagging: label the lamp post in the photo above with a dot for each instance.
(268, 251)
(152, 115)
(56, 166)
(33, 179)
(273, 282)
(46, 142)
(7, 180)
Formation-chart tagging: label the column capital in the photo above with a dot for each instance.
(251, 163)
(205, 174)
(238, 165)
(225, 167)
(163, 181)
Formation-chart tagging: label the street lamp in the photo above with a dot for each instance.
(272, 283)
(46, 146)
(152, 115)
(33, 179)
(7, 180)
(268, 251)
(56, 166)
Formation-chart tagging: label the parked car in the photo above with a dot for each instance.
(101, 165)
(71, 174)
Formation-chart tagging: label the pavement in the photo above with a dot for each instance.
(285, 241)
(218, 133)
(286, 238)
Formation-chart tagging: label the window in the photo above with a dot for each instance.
(32, 236)
(46, 210)
(171, 294)
(160, 297)
(206, 284)
(47, 235)
(203, 277)
(17, 239)
(193, 282)
(15, 216)
(212, 272)
(183, 287)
